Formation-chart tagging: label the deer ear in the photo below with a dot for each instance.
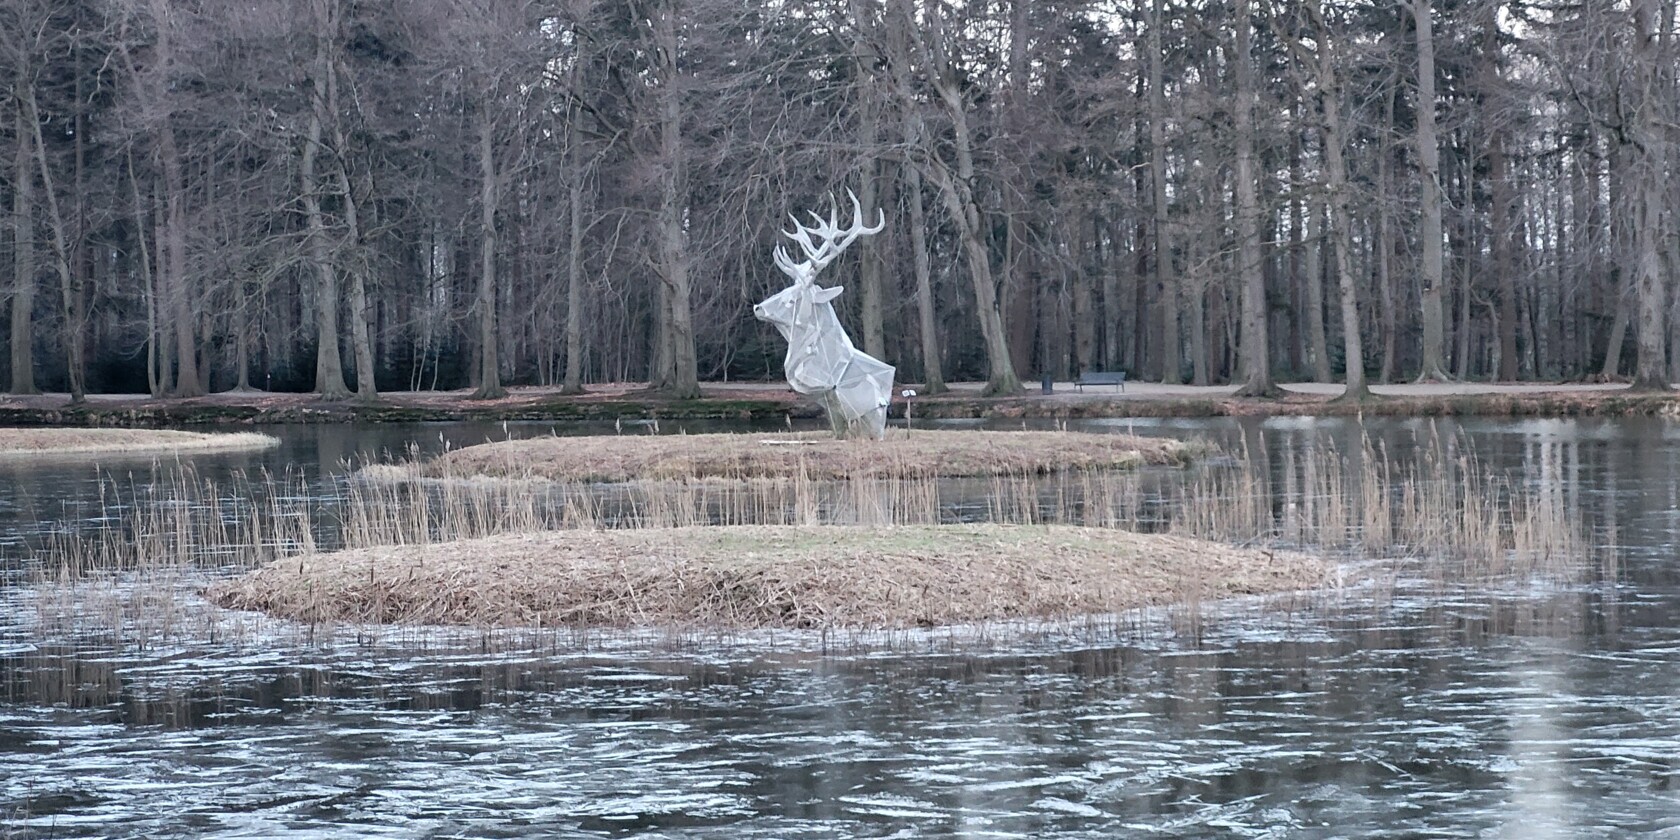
(828, 294)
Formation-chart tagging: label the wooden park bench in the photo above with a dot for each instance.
(1117, 378)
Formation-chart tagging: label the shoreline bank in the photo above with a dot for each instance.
(772, 402)
(37, 443)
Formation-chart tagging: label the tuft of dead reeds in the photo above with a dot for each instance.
(765, 576)
(942, 453)
(134, 576)
(48, 443)
(1442, 506)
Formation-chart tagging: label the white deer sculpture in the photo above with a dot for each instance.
(855, 388)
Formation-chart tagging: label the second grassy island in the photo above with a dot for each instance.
(818, 456)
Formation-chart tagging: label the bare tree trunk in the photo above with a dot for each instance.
(1299, 354)
(1429, 189)
(1665, 192)
(960, 202)
(933, 370)
(23, 262)
(1052, 303)
(900, 25)
(957, 189)
(241, 291)
(242, 352)
(1254, 346)
(329, 366)
(360, 341)
(1650, 156)
(79, 263)
(1468, 233)
(1506, 243)
(1342, 245)
(867, 58)
(163, 336)
(673, 235)
(172, 258)
(1200, 334)
(660, 373)
(1143, 332)
(489, 356)
(869, 267)
(1340, 227)
(1615, 266)
(1385, 241)
(176, 283)
(1114, 313)
(573, 383)
(1316, 244)
(1084, 279)
(869, 262)
(1166, 285)
(154, 383)
(69, 290)
(1618, 335)
(1022, 287)
(329, 369)
(361, 311)
(1555, 334)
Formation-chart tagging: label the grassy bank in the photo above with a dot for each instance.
(772, 402)
(267, 408)
(16, 444)
(945, 453)
(1535, 404)
(765, 576)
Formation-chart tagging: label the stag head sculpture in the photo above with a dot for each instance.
(855, 388)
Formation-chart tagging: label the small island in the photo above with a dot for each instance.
(45, 443)
(746, 577)
(817, 456)
(752, 574)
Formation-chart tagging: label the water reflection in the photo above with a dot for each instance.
(1411, 708)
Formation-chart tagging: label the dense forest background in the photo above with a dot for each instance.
(352, 195)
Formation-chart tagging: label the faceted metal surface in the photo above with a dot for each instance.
(855, 387)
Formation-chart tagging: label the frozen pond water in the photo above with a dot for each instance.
(1417, 707)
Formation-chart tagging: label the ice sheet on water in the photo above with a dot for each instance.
(1032, 782)
(1378, 714)
(892, 806)
(1063, 806)
(635, 677)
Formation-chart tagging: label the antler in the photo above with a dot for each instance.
(824, 241)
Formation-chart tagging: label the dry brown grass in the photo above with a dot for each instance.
(40, 443)
(765, 576)
(815, 455)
